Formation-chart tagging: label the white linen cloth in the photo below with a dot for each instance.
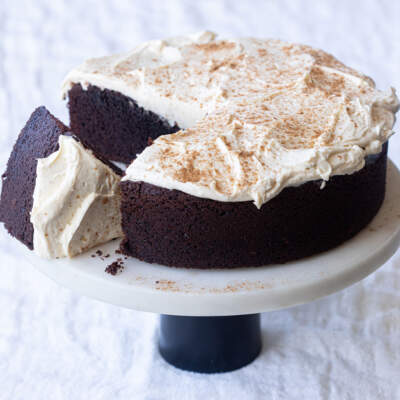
(55, 344)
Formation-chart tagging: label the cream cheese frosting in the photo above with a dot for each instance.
(257, 115)
(76, 202)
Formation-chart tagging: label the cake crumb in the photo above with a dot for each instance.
(115, 268)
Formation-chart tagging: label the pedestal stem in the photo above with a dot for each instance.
(210, 344)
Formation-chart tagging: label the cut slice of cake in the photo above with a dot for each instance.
(38, 139)
(58, 197)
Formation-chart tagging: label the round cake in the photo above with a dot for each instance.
(258, 151)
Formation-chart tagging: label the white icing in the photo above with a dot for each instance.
(131, 75)
(76, 202)
(259, 115)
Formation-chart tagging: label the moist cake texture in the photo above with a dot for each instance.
(113, 124)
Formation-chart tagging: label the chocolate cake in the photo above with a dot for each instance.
(281, 151)
(58, 197)
(38, 139)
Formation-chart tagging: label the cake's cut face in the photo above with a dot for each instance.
(113, 124)
(58, 197)
(76, 202)
(38, 139)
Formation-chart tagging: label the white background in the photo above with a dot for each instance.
(57, 345)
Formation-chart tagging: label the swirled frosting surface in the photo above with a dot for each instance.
(76, 202)
(256, 115)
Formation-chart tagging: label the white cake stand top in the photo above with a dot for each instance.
(160, 289)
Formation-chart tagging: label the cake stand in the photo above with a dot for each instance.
(211, 318)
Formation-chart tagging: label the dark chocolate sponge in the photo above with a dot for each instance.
(38, 139)
(173, 228)
(113, 124)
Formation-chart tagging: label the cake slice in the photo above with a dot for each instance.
(58, 198)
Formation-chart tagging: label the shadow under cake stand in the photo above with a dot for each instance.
(210, 319)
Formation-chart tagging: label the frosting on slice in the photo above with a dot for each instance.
(76, 202)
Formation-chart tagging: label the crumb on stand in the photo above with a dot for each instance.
(115, 268)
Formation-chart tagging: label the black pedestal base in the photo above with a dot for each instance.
(210, 344)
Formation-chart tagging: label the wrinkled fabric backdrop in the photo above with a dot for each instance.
(58, 345)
